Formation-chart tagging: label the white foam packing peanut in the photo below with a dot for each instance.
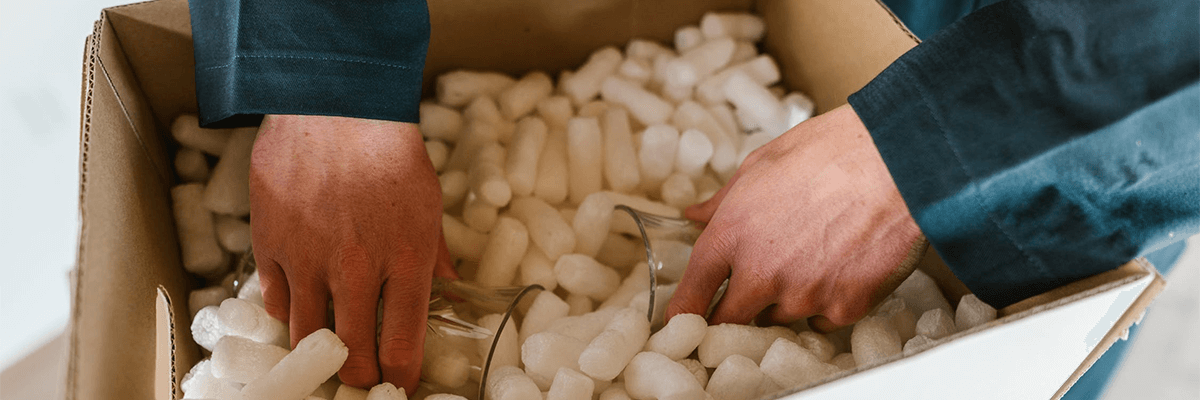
(679, 337)
(445, 362)
(347, 392)
(679, 191)
(556, 111)
(973, 312)
(552, 172)
(583, 327)
(688, 37)
(737, 378)
(483, 112)
(585, 158)
(645, 106)
(620, 158)
(608, 353)
(186, 129)
(569, 384)
(696, 369)
(917, 343)
(662, 295)
(242, 360)
(251, 290)
(440, 122)
(656, 157)
(874, 339)
(209, 296)
(699, 62)
(547, 308)
(616, 391)
(844, 361)
(744, 51)
(818, 344)
(486, 176)
(547, 228)
(454, 188)
(721, 341)
(583, 275)
(191, 165)
(199, 383)
(742, 26)
(478, 214)
(896, 311)
(695, 149)
(755, 103)
(650, 375)
(762, 70)
(505, 248)
(591, 223)
(475, 135)
(386, 391)
(438, 153)
(936, 324)
(232, 233)
(212, 323)
(585, 82)
(921, 293)
(521, 162)
(790, 365)
(522, 97)
(691, 115)
(799, 108)
(228, 190)
(198, 245)
(508, 349)
(751, 143)
(644, 50)
(637, 281)
(445, 396)
(545, 352)
(537, 268)
(457, 88)
(635, 70)
(510, 383)
(315, 358)
(578, 304)
(462, 241)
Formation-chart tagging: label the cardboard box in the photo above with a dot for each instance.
(130, 336)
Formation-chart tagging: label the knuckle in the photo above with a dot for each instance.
(397, 353)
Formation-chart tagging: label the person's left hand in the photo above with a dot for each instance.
(349, 210)
(810, 225)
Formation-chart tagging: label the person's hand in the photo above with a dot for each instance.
(348, 210)
(810, 225)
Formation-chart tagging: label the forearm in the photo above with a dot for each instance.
(1040, 142)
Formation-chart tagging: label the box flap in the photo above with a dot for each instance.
(127, 245)
(829, 68)
(166, 387)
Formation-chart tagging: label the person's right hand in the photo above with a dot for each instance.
(349, 210)
(810, 225)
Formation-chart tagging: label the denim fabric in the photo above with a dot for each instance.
(359, 58)
(1040, 142)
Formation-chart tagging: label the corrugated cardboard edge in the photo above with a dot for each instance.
(164, 347)
(1121, 327)
(90, 49)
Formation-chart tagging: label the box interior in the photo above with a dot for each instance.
(130, 321)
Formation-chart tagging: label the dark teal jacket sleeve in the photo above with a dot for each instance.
(360, 58)
(1039, 142)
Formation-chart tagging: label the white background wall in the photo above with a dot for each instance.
(41, 46)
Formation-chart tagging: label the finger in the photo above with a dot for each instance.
(309, 307)
(445, 265)
(745, 298)
(783, 313)
(274, 287)
(822, 324)
(707, 270)
(405, 310)
(703, 212)
(355, 291)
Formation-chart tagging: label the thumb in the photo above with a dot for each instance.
(703, 212)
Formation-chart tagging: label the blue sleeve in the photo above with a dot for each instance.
(1040, 142)
(360, 58)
